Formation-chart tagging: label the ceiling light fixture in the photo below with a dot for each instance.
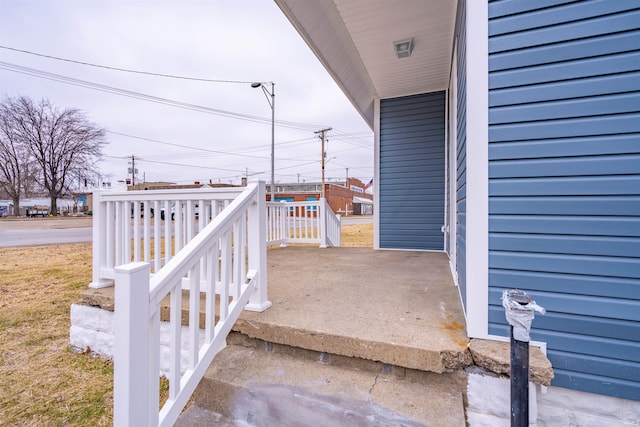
(403, 48)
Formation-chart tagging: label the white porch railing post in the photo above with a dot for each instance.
(283, 212)
(257, 232)
(323, 223)
(131, 382)
(99, 221)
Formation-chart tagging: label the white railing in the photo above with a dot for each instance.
(302, 222)
(150, 226)
(226, 259)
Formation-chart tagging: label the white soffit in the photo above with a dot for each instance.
(354, 41)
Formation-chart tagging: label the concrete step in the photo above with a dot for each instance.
(260, 387)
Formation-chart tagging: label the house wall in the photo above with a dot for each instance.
(412, 172)
(461, 152)
(564, 187)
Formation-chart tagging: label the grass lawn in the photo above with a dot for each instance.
(44, 383)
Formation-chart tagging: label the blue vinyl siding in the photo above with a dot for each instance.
(412, 162)
(564, 182)
(461, 151)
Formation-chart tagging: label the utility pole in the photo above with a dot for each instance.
(346, 180)
(322, 133)
(133, 170)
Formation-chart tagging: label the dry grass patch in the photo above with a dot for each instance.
(43, 382)
(357, 236)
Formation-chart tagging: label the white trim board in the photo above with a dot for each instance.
(477, 131)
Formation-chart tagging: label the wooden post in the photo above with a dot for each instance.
(257, 232)
(99, 220)
(131, 378)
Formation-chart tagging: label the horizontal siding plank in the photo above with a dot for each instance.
(566, 109)
(587, 87)
(583, 305)
(569, 31)
(626, 62)
(498, 9)
(577, 324)
(567, 264)
(596, 384)
(569, 225)
(621, 350)
(557, 15)
(566, 361)
(569, 186)
(587, 126)
(566, 147)
(575, 205)
(565, 283)
(565, 244)
(622, 164)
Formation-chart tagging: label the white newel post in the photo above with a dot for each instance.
(99, 223)
(131, 382)
(257, 245)
(323, 223)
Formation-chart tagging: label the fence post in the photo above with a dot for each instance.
(99, 224)
(257, 245)
(131, 382)
(323, 223)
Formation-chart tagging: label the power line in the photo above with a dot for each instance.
(125, 70)
(217, 152)
(150, 98)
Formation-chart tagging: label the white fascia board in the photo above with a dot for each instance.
(376, 173)
(477, 131)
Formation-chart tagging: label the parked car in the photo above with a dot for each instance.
(141, 210)
(35, 211)
(173, 211)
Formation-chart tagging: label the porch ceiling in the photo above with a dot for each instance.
(354, 41)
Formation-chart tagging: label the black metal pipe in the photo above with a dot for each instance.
(519, 382)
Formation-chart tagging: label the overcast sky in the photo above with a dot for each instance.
(230, 40)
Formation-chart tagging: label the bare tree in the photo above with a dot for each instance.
(14, 154)
(65, 145)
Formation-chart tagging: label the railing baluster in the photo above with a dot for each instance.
(178, 220)
(146, 232)
(194, 315)
(225, 274)
(154, 366)
(157, 233)
(110, 239)
(212, 279)
(167, 231)
(135, 213)
(175, 341)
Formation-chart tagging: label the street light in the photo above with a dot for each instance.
(272, 104)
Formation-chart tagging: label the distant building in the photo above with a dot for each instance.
(341, 196)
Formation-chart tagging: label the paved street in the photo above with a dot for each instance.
(50, 231)
(44, 231)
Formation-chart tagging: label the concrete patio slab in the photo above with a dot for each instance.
(396, 307)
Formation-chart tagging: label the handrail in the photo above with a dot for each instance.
(170, 218)
(227, 258)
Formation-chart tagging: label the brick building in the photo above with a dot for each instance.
(341, 196)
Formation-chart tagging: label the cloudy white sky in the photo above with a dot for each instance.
(230, 40)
